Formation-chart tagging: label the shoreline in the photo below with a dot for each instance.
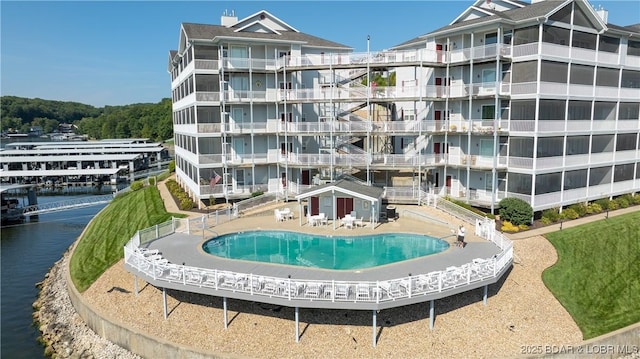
(63, 333)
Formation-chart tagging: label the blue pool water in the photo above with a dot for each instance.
(308, 250)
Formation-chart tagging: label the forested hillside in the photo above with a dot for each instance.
(148, 120)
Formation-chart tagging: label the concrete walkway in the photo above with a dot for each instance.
(169, 204)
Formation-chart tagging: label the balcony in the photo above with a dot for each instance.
(573, 90)
(476, 161)
(246, 64)
(575, 53)
(361, 58)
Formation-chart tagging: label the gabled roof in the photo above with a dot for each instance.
(260, 15)
(216, 32)
(528, 13)
(347, 187)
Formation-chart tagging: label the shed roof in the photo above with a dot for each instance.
(347, 187)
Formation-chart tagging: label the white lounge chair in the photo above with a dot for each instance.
(363, 292)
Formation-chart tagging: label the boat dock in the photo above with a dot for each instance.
(81, 162)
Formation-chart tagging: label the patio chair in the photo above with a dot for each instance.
(323, 219)
(327, 290)
(348, 223)
(278, 215)
(175, 272)
(363, 292)
(312, 290)
(359, 222)
(194, 276)
(343, 291)
(269, 286)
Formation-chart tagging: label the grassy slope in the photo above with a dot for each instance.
(597, 276)
(102, 243)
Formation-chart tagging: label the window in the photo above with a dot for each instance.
(633, 48)
(579, 110)
(630, 79)
(491, 38)
(553, 72)
(629, 111)
(488, 112)
(602, 143)
(548, 183)
(609, 44)
(606, 77)
(524, 71)
(584, 40)
(626, 142)
(604, 111)
(523, 110)
(488, 75)
(600, 175)
(581, 74)
(575, 179)
(623, 172)
(551, 110)
(488, 182)
(486, 148)
(562, 15)
(525, 35)
(550, 146)
(577, 145)
(555, 35)
(519, 183)
(522, 147)
(581, 19)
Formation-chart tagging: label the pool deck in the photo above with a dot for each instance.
(181, 248)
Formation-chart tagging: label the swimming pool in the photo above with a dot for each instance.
(316, 251)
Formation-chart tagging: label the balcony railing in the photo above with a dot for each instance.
(239, 63)
(207, 64)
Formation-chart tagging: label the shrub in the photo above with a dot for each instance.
(546, 221)
(152, 181)
(569, 214)
(137, 185)
(523, 227)
(580, 209)
(613, 205)
(636, 198)
(509, 227)
(594, 208)
(516, 211)
(186, 204)
(622, 202)
(603, 203)
(172, 166)
(257, 193)
(552, 215)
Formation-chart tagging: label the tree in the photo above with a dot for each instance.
(516, 211)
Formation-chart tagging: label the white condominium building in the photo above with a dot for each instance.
(539, 101)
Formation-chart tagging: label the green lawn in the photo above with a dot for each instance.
(102, 243)
(597, 276)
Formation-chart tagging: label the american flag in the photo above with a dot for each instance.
(215, 178)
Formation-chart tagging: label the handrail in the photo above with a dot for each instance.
(319, 290)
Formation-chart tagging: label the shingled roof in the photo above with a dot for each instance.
(209, 32)
(529, 12)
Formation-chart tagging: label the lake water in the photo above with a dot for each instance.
(28, 251)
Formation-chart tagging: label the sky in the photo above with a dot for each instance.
(116, 52)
